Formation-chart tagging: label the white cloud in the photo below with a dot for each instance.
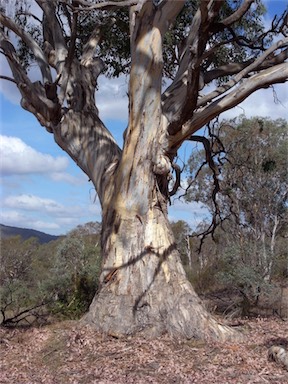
(38, 204)
(33, 203)
(265, 102)
(14, 218)
(112, 99)
(11, 217)
(67, 178)
(19, 158)
(45, 214)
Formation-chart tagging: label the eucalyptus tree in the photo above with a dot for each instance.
(251, 157)
(214, 54)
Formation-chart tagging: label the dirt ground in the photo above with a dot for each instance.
(67, 352)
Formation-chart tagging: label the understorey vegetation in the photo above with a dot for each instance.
(40, 283)
(57, 281)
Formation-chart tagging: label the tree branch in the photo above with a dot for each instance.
(86, 6)
(233, 68)
(263, 79)
(9, 321)
(34, 98)
(167, 12)
(29, 14)
(238, 13)
(216, 213)
(180, 98)
(51, 22)
(254, 66)
(27, 39)
(90, 46)
(8, 79)
(177, 183)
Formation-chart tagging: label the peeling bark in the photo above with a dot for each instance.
(144, 288)
(143, 285)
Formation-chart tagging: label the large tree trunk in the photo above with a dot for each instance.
(143, 284)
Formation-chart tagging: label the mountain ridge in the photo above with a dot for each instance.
(7, 231)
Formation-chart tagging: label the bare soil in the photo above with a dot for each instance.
(68, 352)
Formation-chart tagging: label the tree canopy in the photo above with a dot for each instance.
(230, 46)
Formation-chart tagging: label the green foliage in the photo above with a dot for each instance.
(203, 279)
(249, 252)
(253, 176)
(238, 274)
(114, 44)
(59, 278)
(233, 272)
(17, 286)
(74, 276)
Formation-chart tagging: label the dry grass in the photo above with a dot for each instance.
(68, 352)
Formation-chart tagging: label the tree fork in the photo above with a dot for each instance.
(143, 285)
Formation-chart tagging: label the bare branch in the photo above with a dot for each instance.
(238, 13)
(216, 218)
(90, 46)
(27, 39)
(177, 183)
(180, 98)
(211, 163)
(71, 51)
(8, 79)
(86, 6)
(236, 79)
(233, 68)
(22, 315)
(51, 22)
(167, 12)
(29, 14)
(263, 79)
(34, 97)
(9, 51)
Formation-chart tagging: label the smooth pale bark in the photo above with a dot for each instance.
(144, 288)
(143, 285)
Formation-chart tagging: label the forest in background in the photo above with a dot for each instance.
(238, 262)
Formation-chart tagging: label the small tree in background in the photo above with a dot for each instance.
(74, 274)
(18, 294)
(251, 204)
(182, 231)
(58, 278)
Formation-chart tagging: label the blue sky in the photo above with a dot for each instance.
(41, 188)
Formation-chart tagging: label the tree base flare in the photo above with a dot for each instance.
(144, 288)
(183, 317)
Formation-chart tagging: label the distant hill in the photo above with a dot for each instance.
(6, 231)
